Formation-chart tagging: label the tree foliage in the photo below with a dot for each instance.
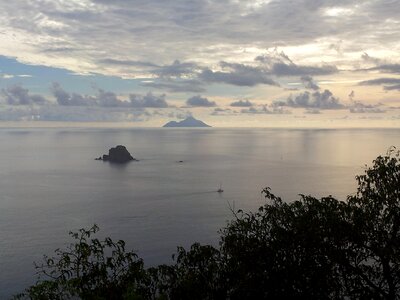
(309, 249)
(88, 268)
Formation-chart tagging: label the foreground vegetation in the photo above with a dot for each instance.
(309, 249)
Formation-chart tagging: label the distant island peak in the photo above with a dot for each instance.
(188, 122)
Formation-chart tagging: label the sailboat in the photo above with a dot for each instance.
(220, 190)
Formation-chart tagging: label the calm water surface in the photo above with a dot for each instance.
(50, 184)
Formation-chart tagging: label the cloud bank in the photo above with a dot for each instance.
(317, 100)
(126, 38)
(17, 95)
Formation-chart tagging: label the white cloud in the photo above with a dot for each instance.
(6, 76)
(89, 35)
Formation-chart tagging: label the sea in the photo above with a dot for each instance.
(51, 184)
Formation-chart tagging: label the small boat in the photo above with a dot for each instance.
(220, 190)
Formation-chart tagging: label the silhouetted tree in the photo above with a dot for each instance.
(374, 213)
(89, 269)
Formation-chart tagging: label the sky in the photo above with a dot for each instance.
(230, 63)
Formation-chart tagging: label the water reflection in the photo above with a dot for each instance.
(50, 184)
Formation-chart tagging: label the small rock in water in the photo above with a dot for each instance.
(119, 154)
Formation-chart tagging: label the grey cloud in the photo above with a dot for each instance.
(369, 59)
(359, 107)
(157, 113)
(318, 100)
(181, 86)
(254, 110)
(392, 87)
(337, 47)
(309, 83)
(281, 69)
(273, 57)
(90, 114)
(200, 102)
(273, 64)
(352, 95)
(237, 74)
(16, 113)
(242, 103)
(72, 114)
(107, 99)
(388, 83)
(380, 81)
(59, 49)
(279, 64)
(148, 100)
(66, 99)
(180, 115)
(126, 62)
(312, 111)
(265, 110)
(388, 68)
(176, 69)
(17, 95)
(219, 109)
(280, 110)
(223, 112)
(371, 117)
